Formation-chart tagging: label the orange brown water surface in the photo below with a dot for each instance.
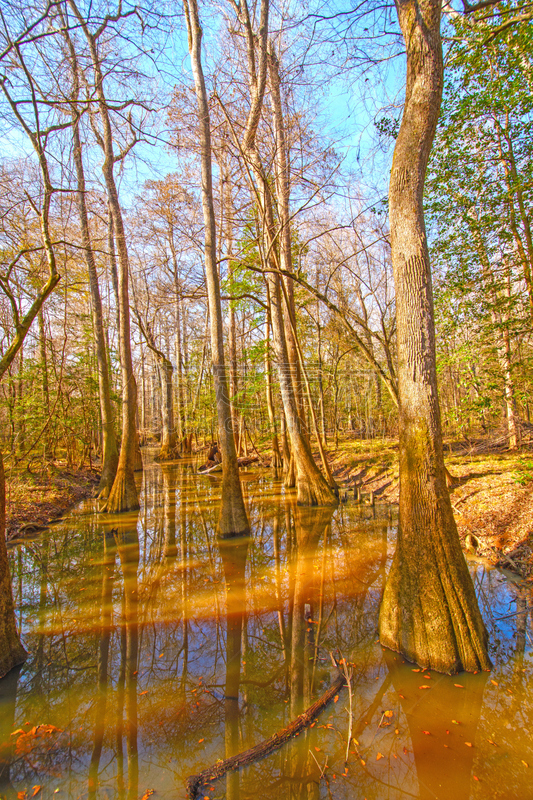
(157, 650)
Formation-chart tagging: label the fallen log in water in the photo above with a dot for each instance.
(216, 468)
(243, 461)
(195, 782)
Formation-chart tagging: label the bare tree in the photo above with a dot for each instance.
(233, 519)
(123, 495)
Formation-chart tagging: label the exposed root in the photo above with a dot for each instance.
(316, 493)
(168, 453)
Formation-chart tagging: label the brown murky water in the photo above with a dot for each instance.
(156, 650)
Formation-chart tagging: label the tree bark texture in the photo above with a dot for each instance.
(429, 610)
(233, 520)
(169, 447)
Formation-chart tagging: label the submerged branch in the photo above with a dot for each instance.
(268, 746)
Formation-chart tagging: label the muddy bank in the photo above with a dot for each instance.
(34, 501)
(492, 494)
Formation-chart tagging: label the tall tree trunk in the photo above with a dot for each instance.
(282, 183)
(501, 338)
(429, 610)
(233, 519)
(45, 385)
(123, 495)
(311, 486)
(276, 453)
(109, 439)
(514, 186)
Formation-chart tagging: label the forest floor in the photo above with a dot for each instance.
(33, 500)
(492, 494)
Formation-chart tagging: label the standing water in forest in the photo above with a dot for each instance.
(157, 649)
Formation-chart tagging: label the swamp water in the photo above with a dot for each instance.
(156, 650)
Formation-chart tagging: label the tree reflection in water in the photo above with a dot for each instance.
(159, 649)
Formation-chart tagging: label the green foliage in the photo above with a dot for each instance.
(524, 471)
(479, 201)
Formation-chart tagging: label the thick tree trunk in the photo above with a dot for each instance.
(233, 520)
(169, 448)
(276, 453)
(123, 495)
(429, 610)
(109, 439)
(501, 338)
(282, 183)
(312, 488)
(11, 650)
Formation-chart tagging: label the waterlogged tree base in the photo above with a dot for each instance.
(429, 611)
(233, 520)
(289, 480)
(123, 495)
(168, 453)
(107, 479)
(315, 492)
(14, 656)
(12, 652)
